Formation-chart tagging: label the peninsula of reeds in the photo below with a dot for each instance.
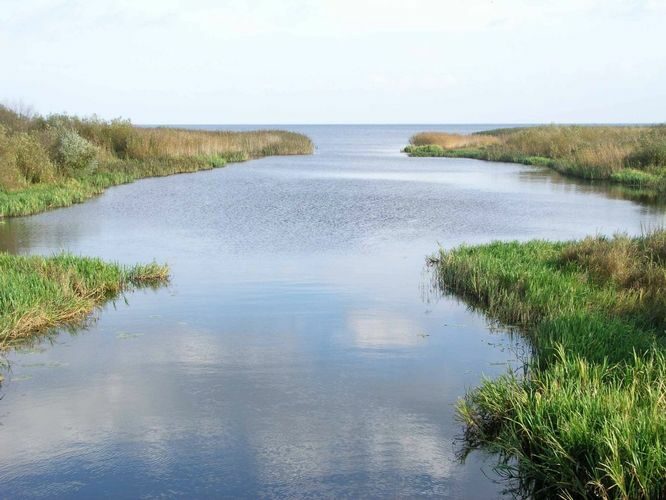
(633, 156)
(58, 160)
(587, 418)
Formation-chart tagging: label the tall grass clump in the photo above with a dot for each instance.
(40, 293)
(54, 161)
(588, 419)
(629, 155)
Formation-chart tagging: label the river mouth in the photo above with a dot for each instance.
(293, 353)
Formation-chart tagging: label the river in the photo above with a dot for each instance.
(297, 351)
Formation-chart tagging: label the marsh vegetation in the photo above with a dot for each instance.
(629, 155)
(588, 419)
(58, 160)
(39, 293)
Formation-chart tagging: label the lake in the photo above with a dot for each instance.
(298, 350)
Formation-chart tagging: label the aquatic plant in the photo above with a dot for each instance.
(588, 419)
(39, 293)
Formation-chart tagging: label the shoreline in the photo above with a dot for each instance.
(60, 160)
(632, 157)
(585, 417)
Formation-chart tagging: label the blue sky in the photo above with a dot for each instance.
(338, 61)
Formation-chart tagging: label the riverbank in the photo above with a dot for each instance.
(39, 293)
(59, 160)
(633, 156)
(589, 417)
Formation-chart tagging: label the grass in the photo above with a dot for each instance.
(40, 293)
(55, 161)
(588, 418)
(629, 155)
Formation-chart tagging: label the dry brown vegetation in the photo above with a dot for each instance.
(176, 143)
(631, 155)
(54, 161)
(635, 266)
(452, 141)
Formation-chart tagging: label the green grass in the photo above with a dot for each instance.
(589, 417)
(633, 156)
(68, 191)
(40, 293)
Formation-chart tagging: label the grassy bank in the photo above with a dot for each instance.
(631, 156)
(39, 293)
(589, 417)
(55, 161)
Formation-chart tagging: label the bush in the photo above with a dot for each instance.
(74, 154)
(648, 154)
(32, 159)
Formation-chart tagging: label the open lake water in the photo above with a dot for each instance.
(297, 351)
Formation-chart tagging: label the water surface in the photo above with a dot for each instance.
(295, 352)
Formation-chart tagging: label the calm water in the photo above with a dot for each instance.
(295, 352)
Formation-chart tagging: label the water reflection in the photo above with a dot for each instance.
(382, 329)
(293, 354)
(651, 202)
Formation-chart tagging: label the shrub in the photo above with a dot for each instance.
(32, 159)
(74, 154)
(648, 154)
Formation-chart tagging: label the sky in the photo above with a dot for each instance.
(337, 61)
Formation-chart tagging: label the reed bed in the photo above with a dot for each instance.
(588, 419)
(54, 161)
(452, 141)
(630, 155)
(178, 143)
(40, 293)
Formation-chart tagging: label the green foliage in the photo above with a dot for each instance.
(427, 150)
(73, 154)
(649, 153)
(589, 418)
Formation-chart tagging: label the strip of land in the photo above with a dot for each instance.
(59, 160)
(633, 156)
(588, 419)
(39, 293)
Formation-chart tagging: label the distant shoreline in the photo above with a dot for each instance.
(632, 156)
